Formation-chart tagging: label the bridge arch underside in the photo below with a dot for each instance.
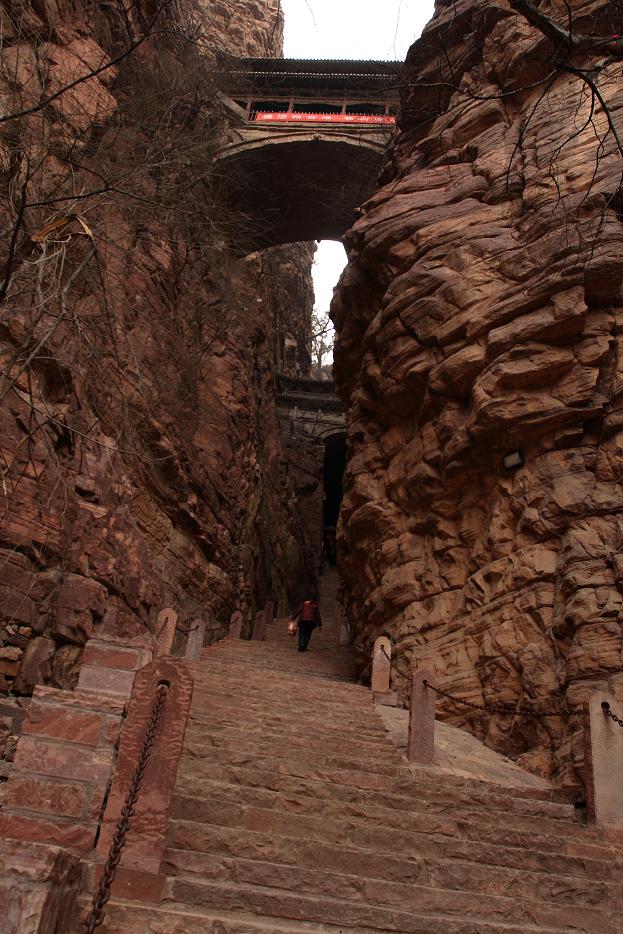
(302, 189)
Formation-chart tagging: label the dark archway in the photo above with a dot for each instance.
(295, 188)
(334, 466)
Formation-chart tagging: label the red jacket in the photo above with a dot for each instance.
(309, 611)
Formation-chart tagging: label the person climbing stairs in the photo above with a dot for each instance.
(294, 812)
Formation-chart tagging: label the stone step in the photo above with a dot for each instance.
(392, 813)
(222, 718)
(380, 774)
(321, 752)
(315, 661)
(286, 760)
(285, 725)
(393, 796)
(351, 858)
(419, 833)
(287, 738)
(417, 905)
(324, 711)
(128, 917)
(282, 674)
(309, 689)
(357, 875)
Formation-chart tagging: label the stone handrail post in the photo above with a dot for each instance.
(165, 631)
(259, 626)
(235, 625)
(196, 638)
(381, 665)
(144, 849)
(421, 739)
(603, 759)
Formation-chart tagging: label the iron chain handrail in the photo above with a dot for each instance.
(384, 651)
(100, 899)
(500, 708)
(609, 712)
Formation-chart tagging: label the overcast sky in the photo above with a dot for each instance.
(349, 29)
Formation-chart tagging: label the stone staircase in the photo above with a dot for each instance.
(294, 812)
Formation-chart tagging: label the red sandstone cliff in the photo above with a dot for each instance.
(140, 457)
(481, 314)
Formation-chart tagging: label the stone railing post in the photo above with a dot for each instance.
(235, 625)
(381, 665)
(343, 637)
(165, 631)
(259, 626)
(603, 759)
(196, 638)
(421, 739)
(139, 870)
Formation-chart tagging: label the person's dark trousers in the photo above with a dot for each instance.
(305, 630)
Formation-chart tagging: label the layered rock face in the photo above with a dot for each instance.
(480, 316)
(252, 28)
(141, 465)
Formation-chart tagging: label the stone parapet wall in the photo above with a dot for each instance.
(61, 769)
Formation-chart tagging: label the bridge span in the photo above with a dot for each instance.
(305, 143)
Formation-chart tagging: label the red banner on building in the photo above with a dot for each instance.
(367, 119)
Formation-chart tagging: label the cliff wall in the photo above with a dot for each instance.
(140, 459)
(480, 316)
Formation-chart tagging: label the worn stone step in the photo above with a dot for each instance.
(263, 747)
(269, 652)
(391, 813)
(267, 656)
(204, 697)
(286, 759)
(447, 841)
(324, 874)
(221, 708)
(128, 917)
(261, 769)
(303, 685)
(288, 738)
(386, 795)
(404, 920)
(284, 725)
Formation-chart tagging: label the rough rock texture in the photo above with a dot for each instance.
(481, 314)
(140, 459)
(243, 27)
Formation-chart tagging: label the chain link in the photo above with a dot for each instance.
(384, 651)
(501, 708)
(96, 915)
(609, 712)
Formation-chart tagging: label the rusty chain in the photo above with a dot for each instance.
(609, 712)
(100, 899)
(502, 708)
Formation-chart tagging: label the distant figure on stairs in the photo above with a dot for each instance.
(308, 615)
(330, 545)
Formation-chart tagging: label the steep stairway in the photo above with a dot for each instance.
(294, 812)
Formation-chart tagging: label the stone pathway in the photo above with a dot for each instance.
(295, 812)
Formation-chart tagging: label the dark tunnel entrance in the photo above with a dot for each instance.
(334, 466)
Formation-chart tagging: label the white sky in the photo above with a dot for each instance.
(349, 29)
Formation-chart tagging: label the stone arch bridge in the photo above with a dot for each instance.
(305, 143)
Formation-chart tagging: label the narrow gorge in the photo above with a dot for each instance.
(177, 478)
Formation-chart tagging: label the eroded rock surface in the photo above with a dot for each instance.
(480, 315)
(140, 459)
